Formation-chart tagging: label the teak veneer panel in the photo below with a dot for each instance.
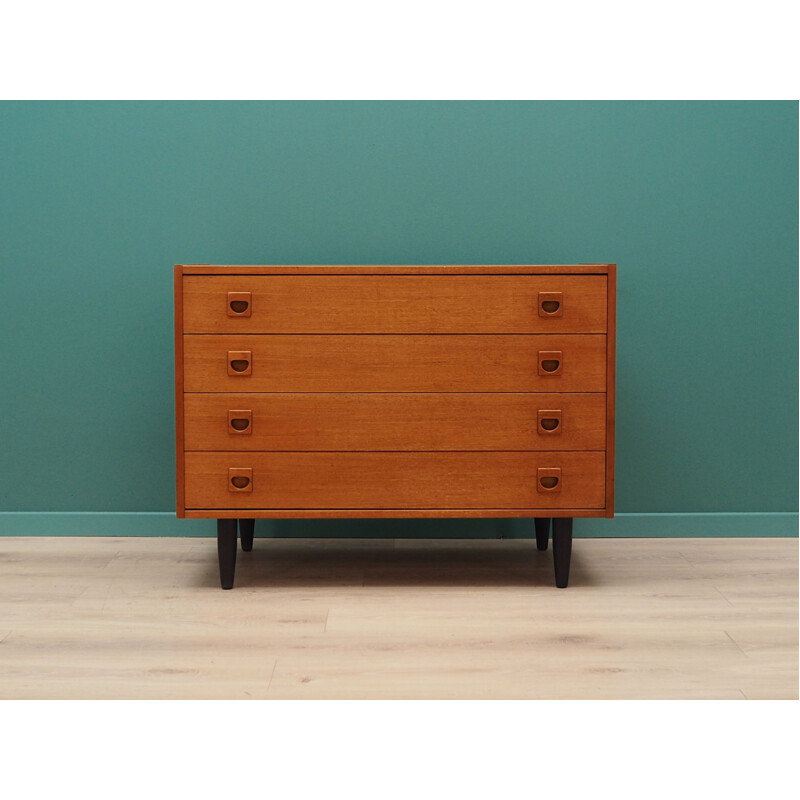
(179, 390)
(395, 480)
(395, 421)
(395, 304)
(611, 386)
(390, 513)
(395, 363)
(399, 269)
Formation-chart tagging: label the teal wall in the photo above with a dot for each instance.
(695, 201)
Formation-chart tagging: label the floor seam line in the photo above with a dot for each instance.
(736, 643)
(271, 674)
(716, 589)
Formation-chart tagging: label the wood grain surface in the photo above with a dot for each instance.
(395, 304)
(392, 269)
(611, 387)
(443, 359)
(392, 513)
(390, 363)
(179, 390)
(144, 618)
(394, 421)
(343, 480)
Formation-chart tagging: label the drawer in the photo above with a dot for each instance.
(394, 480)
(394, 304)
(392, 363)
(395, 421)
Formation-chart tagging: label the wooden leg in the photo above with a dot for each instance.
(226, 550)
(246, 530)
(542, 532)
(562, 549)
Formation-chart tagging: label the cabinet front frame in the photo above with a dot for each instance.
(609, 270)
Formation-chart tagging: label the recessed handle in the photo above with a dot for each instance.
(551, 362)
(240, 304)
(240, 479)
(548, 479)
(551, 304)
(240, 422)
(240, 362)
(549, 421)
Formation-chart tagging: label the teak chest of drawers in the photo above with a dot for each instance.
(383, 391)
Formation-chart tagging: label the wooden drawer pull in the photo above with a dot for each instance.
(240, 304)
(550, 362)
(549, 421)
(240, 479)
(549, 479)
(240, 362)
(551, 304)
(240, 422)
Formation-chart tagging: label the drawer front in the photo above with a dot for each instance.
(394, 304)
(389, 363)
(394, 480)
(397, 421)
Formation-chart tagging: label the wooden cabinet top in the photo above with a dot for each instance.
(384, 269)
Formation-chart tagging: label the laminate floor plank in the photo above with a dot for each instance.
(145, 618)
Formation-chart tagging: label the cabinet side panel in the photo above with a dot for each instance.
(180, 505)
(611, 378)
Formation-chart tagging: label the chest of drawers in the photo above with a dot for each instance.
(385, 391)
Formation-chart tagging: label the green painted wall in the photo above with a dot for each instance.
(697, 203)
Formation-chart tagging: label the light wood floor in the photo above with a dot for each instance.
(311, 618)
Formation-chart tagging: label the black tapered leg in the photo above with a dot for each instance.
(246, 530)
(562, 549)
(542, 532)
(226, 549)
